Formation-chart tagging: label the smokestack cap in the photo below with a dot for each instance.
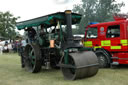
(68, 11)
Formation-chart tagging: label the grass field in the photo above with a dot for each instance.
(11, 73)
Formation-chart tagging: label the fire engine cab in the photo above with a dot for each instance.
(109, 40)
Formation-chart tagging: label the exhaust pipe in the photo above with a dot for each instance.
(68, 17)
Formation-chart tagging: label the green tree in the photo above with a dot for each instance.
(96, 11)
(7, 25)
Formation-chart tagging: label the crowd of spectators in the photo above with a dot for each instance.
(7, 46)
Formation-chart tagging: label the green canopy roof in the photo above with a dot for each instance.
(48, 20)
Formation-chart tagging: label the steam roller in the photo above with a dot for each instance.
(81, 65)
(50, 43)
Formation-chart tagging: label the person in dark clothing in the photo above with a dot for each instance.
(6, 43)
(31, 33)
(14, 45)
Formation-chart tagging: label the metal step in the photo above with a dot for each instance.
(114, 58)
(115, 63)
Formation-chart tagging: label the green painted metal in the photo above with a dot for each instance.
(48, 20)
(66, 59)
(32, 56)
(61, 34)
(86, 49)
(41, 41)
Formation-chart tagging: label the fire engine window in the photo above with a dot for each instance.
(113, 31)
(92, 33)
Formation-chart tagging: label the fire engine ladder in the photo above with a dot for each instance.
(120, 16)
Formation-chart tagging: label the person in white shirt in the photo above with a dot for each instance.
(1, 47)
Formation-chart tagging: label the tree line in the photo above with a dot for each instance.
(96, 11)
(8, 25)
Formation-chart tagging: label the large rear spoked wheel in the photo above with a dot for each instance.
(33, 58)
(81, 65)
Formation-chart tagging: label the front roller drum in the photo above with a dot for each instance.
(81, 65)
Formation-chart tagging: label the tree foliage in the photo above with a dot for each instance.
(96, 11)
(7, 25)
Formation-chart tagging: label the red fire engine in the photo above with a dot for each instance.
(110, 41)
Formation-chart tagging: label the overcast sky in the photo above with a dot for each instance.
(28, 9)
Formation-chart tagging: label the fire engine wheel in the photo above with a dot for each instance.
(103, 62)
(33, 58)
(81, 65)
